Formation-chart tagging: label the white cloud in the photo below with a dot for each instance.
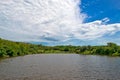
(49, 20)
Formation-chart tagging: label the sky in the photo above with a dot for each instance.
(60, 22)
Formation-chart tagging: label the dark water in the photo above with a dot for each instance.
(60, 67)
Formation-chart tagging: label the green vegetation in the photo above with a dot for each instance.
(111, 49)
(11, 49)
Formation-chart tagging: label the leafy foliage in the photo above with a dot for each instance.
(11, 49)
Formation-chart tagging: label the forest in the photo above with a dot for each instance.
(12, 49)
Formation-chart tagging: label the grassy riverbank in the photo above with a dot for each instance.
(11, 49)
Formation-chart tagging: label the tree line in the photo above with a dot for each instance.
(11, 49)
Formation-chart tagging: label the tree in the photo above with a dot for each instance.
(110, 44)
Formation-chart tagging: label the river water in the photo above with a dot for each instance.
(60, 67)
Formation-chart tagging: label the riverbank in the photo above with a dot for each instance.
(12, 49)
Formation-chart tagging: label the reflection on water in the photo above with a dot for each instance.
(60, 67)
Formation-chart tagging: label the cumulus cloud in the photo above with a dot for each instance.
(49, 20)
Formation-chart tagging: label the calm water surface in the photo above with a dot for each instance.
(60, 67)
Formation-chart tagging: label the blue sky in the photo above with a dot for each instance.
(60, 22)
(99, 9)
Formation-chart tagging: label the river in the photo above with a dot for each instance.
(60, 67)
